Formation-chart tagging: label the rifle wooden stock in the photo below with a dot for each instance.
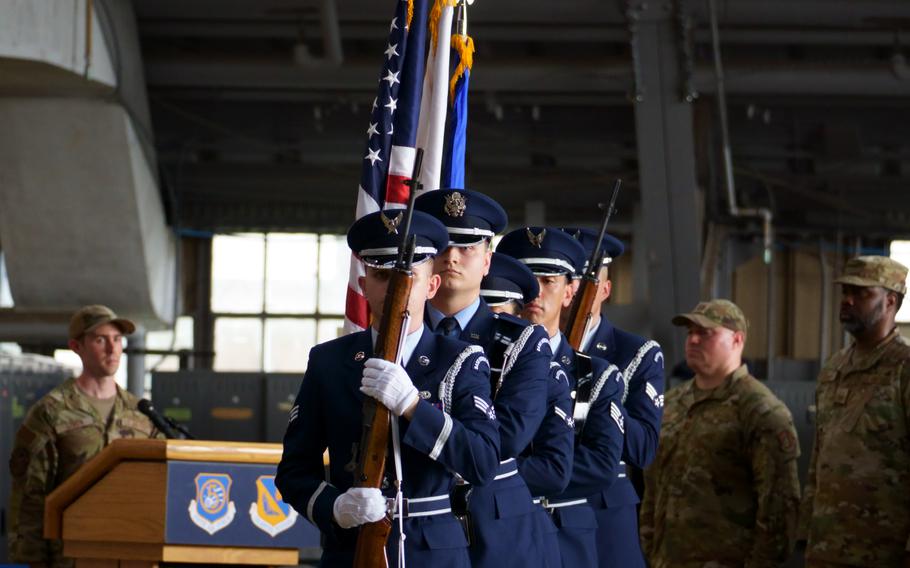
(374, 442)
(581, 312)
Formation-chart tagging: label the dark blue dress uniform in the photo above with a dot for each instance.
(453, 429)
(546, 465)
(502, 513)
(599, 422)
(449, 433)
(596, 463)
(642, 364)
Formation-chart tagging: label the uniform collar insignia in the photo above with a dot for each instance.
(423, 360)
(536, 240)
(359, 356)
(601, 346)
(425, 395)
(475, 336)
(455, 204)
(391, 225)
(565, 360)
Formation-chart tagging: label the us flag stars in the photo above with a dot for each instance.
(381, 119)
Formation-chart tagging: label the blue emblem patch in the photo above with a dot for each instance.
(269, 513)
(212, 509)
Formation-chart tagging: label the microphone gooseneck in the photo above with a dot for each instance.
(145, 407)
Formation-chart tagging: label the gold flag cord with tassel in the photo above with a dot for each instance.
(464, 45)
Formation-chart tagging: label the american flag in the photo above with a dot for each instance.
(392, 134)
(410, 111)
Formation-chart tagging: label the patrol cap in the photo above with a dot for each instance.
(715, 313)
(875, 271)
(547, 251)
(469, 216)
(90, 317)
(610, 246)
(508, 280)
(375, 237)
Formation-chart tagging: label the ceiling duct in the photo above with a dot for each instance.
(81, 216)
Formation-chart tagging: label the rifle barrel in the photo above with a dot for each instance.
(595, 255)
(414, 183)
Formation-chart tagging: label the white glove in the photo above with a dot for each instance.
(388, 383)
(357, 506)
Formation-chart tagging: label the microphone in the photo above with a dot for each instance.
(160, 422)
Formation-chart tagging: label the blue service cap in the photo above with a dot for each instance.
(610, 246)
(375, 237)
(469, 216)
(545, 250)
(508, 280)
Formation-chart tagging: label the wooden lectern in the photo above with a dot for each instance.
(140, 502)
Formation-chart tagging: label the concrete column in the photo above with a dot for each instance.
(203, 321)
(135, 363)
(666, 162)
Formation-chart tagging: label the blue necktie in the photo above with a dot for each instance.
(449, 327)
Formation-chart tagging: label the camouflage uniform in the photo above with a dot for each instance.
(856, 510)
(723, 489)
(60, 433)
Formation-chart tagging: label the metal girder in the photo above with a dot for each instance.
(809, 13)
(666, 161)
(524, 75)
(515, 11)
(580, 32)
(805, 13)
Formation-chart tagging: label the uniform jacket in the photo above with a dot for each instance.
(599, 447)
(521, 401)
(61, 432)
(856, 509)
(502, 511)
(641, 363)
(596, 454)
(546, 465)
(453, 430)
(724, 485)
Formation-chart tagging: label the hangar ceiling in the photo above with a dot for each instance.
(260, 107)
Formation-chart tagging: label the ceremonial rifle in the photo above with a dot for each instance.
(374, 441)
(581, 312)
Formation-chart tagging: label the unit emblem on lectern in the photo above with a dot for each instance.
(212, 509)
(269, 513)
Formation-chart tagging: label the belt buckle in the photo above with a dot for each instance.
(390, 507)
(545, 503)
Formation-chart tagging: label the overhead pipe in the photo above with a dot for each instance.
(899, 61)
(331, 31)
(762, 213)
(331, 40)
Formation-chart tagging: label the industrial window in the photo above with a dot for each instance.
(274, 296)
(6, 301)
(6, 297)
(900, 251)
